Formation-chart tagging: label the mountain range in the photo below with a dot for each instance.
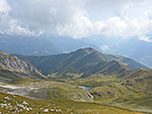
(30, 45)
(85, 60)
(110, 80)
(133, 47)
(113, 79)
(43, 45)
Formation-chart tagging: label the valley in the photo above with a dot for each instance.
(84, 81)
(75, 56)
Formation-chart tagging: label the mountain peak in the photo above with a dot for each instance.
(86, 50)
(84, 60)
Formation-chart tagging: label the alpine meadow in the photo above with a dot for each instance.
(75, 57)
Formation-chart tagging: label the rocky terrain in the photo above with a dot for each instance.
(12, 67)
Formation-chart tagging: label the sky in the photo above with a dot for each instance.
(77, 18)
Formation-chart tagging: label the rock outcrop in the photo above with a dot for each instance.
(21, 68)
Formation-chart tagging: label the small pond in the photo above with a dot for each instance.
(85, 88)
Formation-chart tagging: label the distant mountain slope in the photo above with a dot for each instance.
(40, 45)
(12, 67)
(86, 60)
(134, 48)
(27, 45)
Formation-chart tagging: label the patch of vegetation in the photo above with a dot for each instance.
(16, 104)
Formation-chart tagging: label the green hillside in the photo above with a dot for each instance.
(87, 61)
(16, 104)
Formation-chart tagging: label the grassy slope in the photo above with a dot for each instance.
(43, 89)
(85, 60)
(132, 90)
(15, 103)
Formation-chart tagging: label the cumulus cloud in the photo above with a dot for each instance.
(119, 27)
(54, 17)
(76, 18)
(104, 47)
(4, 8)
(146, 38)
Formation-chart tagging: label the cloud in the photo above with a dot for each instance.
(4, 7)
(104, 47)
(8, 24)
(79, 28)
(146, 38)
(53, 17)
(123, 28)
(76, 18)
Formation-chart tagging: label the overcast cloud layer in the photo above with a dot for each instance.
(77, 18)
